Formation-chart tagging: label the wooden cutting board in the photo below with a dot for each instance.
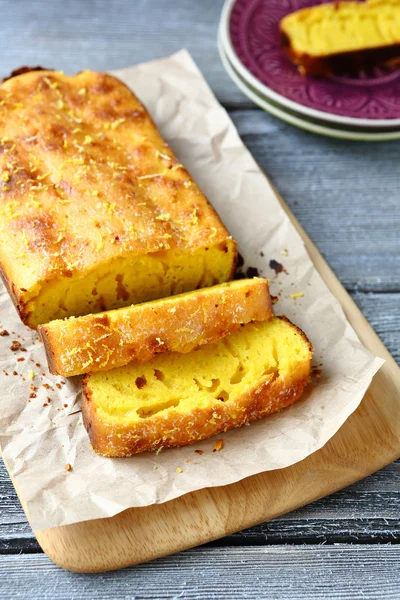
(368, 441)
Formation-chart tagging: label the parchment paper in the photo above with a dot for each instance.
(40, 437)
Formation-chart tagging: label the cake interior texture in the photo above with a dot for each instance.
(96, 212)
(130, 280)
(343, 27)
(178, 399)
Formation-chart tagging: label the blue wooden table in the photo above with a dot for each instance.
(347, 197)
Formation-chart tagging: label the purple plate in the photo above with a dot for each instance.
(253, 33)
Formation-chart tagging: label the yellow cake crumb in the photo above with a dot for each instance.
(219, 444)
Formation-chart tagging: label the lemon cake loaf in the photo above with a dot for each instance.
(178, 399)
(343, 36)
(180, 323)
(95, 210)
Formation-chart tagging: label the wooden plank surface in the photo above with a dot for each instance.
(269, 573)
(346, 195)
(101, 35)
(367, 512)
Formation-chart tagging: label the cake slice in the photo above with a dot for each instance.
(343, 37)
(178, 399)
(95, 210)
(180, 323)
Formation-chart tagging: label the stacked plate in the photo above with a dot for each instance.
(365, 107)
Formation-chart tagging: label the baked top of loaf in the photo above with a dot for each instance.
(107, 340)
(89, 186)
(342, 27)
(178, 399)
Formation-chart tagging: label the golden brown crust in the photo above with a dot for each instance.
(23, 70)
(87, 180)
(104, 341)
(269, 395)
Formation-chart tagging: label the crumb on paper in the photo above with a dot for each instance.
(199, 452)
(284, 252)
(296, 295)
(316, 371)
(179, 470)
(155, 468)
(276, 266)
(219, 444)
(15, 345)
(31, 374)
(4, 332)
(252, 272)
(187, 460)
(159, 450)
(68, 467)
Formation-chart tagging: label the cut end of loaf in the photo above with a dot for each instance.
(129, 280)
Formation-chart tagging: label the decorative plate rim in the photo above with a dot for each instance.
(270, 94)
(297, 121)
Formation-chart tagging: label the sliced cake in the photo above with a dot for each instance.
(180, 323)
(178, 399)
(343, 37)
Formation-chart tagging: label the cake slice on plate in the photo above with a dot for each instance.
(343, 37)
